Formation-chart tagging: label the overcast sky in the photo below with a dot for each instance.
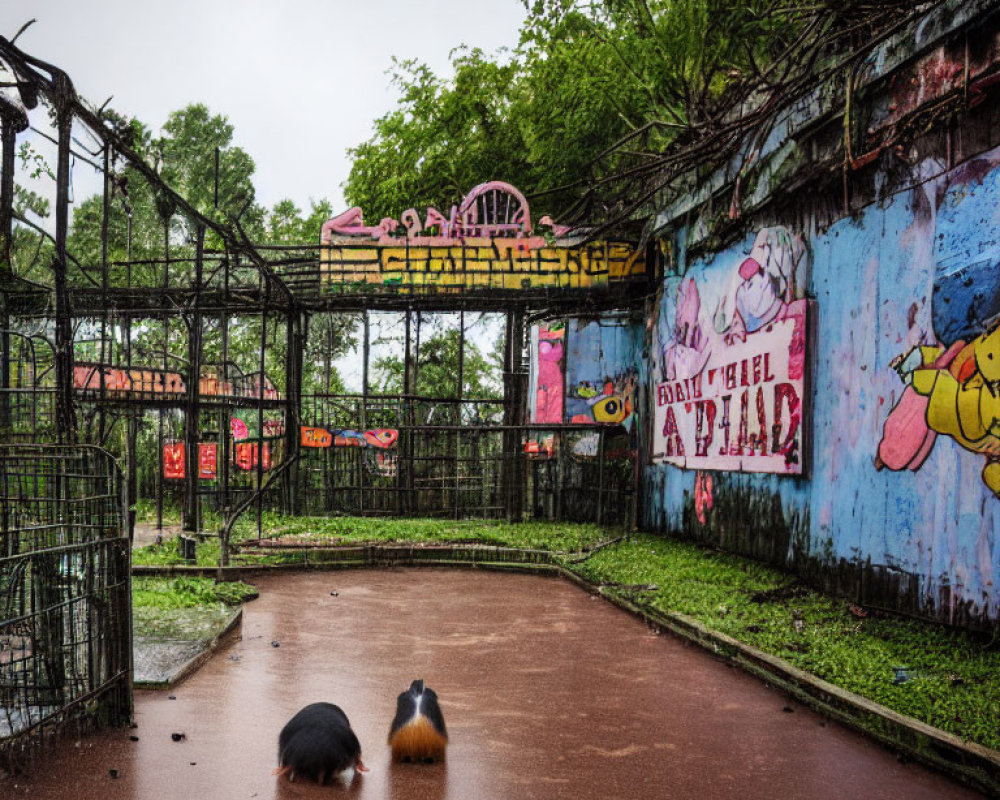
(301, 80)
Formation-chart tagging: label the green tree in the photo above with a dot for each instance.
(32, 248)
(186, 152)
(437, 373)
(285, 223)
(444, 137)
(592, 88)
(185, 156)
(143, 222)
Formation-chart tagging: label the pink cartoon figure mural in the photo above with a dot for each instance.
(549, 392)
(687, 353)
(765, 293)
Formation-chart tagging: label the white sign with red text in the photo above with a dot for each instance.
(742, 411)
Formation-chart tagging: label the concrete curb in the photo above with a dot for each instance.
(232, 631)
(966, 762)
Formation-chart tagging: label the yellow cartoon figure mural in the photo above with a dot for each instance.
(957, 393)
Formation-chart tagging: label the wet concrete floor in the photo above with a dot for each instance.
(547, 693)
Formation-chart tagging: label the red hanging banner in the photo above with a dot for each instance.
(316, 437)
(246, 455)
(207, 459)
(173, 460)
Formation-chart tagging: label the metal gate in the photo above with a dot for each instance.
(65, 610)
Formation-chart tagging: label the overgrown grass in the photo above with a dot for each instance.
(167, 553)
(554, 536)
(190, 609)
(949, 678)
(187, 592)
(333, 531)
(944, 677)
(145, 511)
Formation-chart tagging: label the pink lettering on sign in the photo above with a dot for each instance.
(738, 405)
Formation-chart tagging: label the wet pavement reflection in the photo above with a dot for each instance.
(546, 692)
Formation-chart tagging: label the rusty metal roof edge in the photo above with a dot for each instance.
(821, 103)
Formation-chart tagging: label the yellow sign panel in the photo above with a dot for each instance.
(504, 264)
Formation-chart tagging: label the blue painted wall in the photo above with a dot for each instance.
(880, 284)
(602, 369)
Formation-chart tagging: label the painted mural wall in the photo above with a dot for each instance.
(728, 354)
(602, 373)
(585, 371)
(904, 410)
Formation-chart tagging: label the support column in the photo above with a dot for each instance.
(262, 363)
(192, 409)
(65, 414)
(514, 391)
(294, 346)
(105, 356)
(404, 470)
(9, 133)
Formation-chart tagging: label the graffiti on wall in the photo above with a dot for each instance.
(549, 340)
(122, 381)
(951, 377)
(377, 445)
(380, 438)
(951, 391)
(729, 372)
(88, 377)
(485, 243)
(503, 264)
(602, 375)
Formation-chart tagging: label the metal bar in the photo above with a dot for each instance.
(9, 133)
(294, 348)
(192, 412)
(260, 422)
(65, 415)
(105, 215)
(600, 476)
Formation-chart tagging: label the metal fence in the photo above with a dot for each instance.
(451, 458)
(65, 611)
(27, 388)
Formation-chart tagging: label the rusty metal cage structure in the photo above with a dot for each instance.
(65, 610)
(27, 401)
(179, 356)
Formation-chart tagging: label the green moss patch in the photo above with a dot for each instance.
(166, 593)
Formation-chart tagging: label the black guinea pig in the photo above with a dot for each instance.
(318, 743)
